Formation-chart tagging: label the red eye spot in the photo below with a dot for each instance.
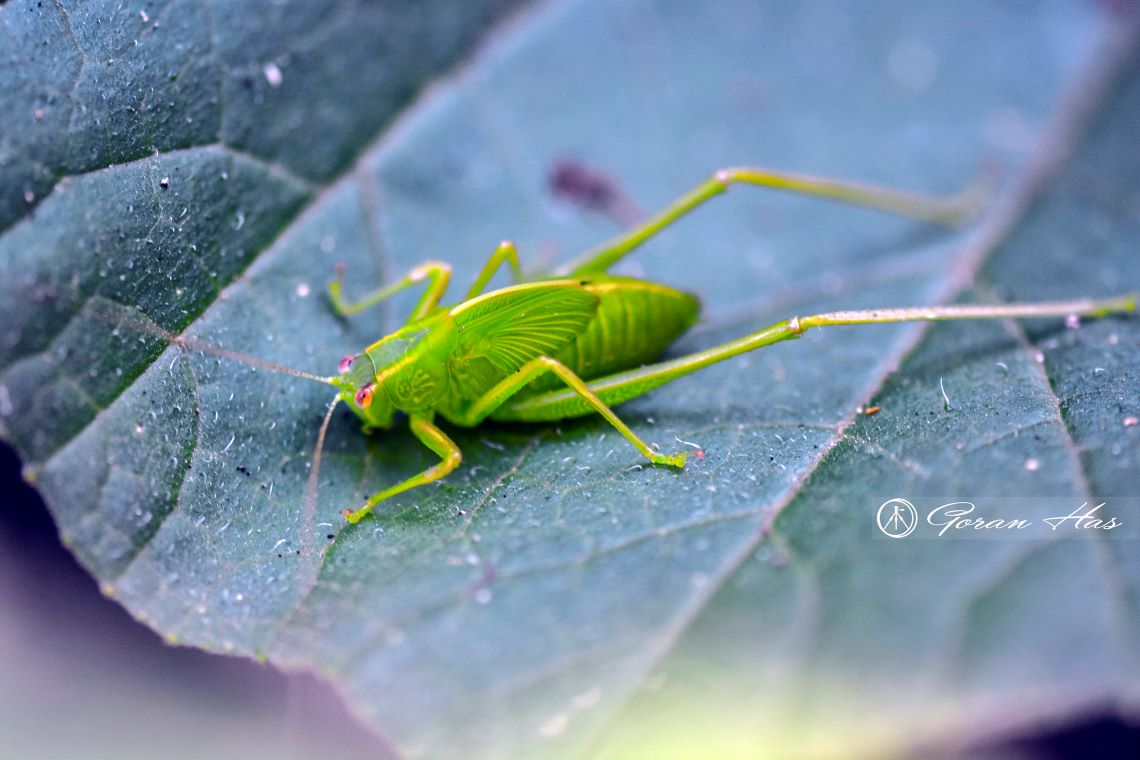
(364, 396)
(345, 364)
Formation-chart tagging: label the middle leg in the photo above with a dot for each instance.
(501, 393)
(505, 252)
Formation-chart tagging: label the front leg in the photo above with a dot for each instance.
(436, 440)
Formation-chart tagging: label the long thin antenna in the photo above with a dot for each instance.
(309, 503)
(104, 311)
(209, 348)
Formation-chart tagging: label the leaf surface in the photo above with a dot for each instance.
(206, 166)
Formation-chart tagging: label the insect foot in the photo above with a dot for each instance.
(354, 515)
(670, 460)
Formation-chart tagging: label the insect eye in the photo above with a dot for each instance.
(364, 396)
(345, 364)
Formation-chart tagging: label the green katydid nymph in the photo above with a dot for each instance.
(579, 340)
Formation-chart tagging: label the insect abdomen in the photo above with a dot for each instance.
(633, 325)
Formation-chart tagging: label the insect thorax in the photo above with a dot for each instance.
(404, 371)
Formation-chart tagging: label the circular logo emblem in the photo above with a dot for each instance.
(897, 518)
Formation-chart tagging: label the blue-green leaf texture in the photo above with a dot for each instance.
(206, 164)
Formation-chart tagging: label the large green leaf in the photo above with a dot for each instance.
(207, 163)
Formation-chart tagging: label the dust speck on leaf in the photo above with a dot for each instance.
(273, 75)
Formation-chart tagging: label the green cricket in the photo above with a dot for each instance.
(578, 341)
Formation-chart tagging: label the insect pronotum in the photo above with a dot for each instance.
(579, 340)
